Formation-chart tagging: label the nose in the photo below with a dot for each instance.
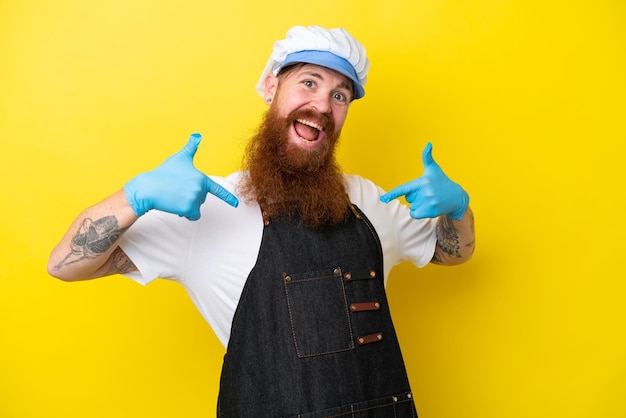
(321, 103)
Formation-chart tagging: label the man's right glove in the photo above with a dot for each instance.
(175, 186)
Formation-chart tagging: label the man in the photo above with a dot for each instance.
(292, 279)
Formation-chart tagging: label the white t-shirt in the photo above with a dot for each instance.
(212, 257)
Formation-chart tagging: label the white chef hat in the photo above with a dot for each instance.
(332, 48)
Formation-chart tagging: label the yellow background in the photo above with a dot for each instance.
(523, 101)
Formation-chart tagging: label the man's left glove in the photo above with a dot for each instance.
(433, 194)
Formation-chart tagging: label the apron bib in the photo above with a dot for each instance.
(312, 335)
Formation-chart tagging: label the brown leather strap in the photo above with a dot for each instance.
(364, 306)
(368, 339)
(359, 275)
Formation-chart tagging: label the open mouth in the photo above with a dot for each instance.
(307, 130)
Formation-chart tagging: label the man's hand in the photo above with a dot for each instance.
(433, 194)
(175, 186)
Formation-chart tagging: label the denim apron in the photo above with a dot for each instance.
(312, 335)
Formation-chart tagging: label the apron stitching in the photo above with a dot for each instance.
(291, 320)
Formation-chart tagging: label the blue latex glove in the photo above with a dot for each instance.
(175, 186)
(433, 194)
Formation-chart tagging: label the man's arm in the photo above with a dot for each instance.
(434, 195)
(455, 240)
(89, 249)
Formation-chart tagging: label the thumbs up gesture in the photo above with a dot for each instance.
(433, 194)
(175, 186)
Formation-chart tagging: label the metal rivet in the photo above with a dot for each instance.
(353, 307)
(395, 399)
(372, 273)
(337, 272)
(348, 276)
(409, 396)
(377, 305)
(267, 223)
(379, 337)
(361, 340)
(287, 278)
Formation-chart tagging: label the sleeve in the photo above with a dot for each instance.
(158, 245)
(402, 237)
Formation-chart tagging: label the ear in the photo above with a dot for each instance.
(271, 84)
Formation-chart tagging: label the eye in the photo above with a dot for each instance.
(340, 97)
(308, 83)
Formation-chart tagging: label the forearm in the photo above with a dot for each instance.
(455, 240)
(89, 247)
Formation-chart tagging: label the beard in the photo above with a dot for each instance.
(291, 182)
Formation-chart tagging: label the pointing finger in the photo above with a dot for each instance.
(221, 193)
(401, 190)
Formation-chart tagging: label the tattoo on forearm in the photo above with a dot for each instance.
(120, 263)
(472, 244)
(92, 239)
(447, 238)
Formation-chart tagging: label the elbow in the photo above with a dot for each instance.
(449, 258)
(462, 257)
(462, 260)
(58, 271)
(452, 261)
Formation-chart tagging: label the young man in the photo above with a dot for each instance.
(292, 279)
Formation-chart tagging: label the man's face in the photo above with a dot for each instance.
(316, 95)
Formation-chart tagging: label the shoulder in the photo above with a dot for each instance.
(401, 236)
(360, 188)
(230, 182)
(366, 195)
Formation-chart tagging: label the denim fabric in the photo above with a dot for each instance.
(299, 347)
(400, 405)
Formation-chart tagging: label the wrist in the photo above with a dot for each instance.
(131, 194)
(458, 214)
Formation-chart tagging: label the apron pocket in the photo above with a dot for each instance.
(318, 311)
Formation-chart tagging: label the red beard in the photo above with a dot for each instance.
(291, 182)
